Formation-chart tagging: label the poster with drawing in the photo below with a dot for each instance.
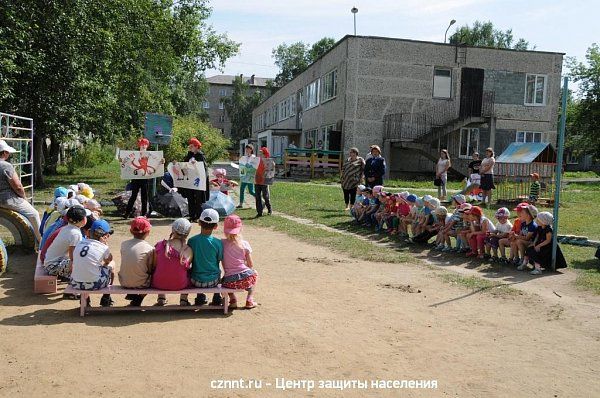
(248, 166)
(188, 175)
(137, 165)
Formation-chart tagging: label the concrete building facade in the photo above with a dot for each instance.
(221, 87)
(413, 98)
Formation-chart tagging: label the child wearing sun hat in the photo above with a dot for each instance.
(503, 228)
(238, 267)
(221, 182)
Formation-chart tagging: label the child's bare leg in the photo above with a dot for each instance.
(232, 298)
(250, 294)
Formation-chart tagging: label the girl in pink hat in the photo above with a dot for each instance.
(237, 262)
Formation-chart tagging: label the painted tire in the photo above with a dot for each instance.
(19, 226)
(3, 257)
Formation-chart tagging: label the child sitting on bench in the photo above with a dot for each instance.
(173, 260)
(137, 260)
(207, 253)
(92, 268)
(237, 262)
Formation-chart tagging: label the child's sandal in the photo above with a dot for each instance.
(233, 304)
(161, 302)
(250, 304)
(184, 303)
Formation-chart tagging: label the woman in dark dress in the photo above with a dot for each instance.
(374, 168)
(195, 197)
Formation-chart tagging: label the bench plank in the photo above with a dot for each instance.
(119, 290)
(42, 282)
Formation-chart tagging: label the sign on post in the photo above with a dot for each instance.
(137, 165)
(158, 129)
(188, 175)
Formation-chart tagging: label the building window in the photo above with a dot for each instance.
(535, 90)
(311, 95)
(469, 142)
(221, 105)
(329, 85)
(222, 118)
(442, 83)
(206, 105)
(528, 136)
(293, 105)
(223, 92)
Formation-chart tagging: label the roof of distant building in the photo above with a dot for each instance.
(228, 79)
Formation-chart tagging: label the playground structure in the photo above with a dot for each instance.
(515, 166)
(311, 163)
(17, 131)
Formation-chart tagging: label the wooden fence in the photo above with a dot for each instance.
(311, 162)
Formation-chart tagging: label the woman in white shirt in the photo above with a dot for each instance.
(441, 172)
(487, 175)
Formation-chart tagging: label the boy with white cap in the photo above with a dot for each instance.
(92, 268)
(12, 193)
(207, 254)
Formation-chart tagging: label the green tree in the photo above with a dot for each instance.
(484, 34)
(583, 126)
(239, 108)
(294, 58)
(214, 145)
(87, 68)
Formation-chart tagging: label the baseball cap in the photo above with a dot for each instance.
(475, 210)
(459, 198)
(521, 206)
(361, 187)
(101, 227)
(502, 212)
(232, 224)
(61, 204)
(76, 214)
(60, 192)
(181, 226)
(377, 188)
(4, 147)
(209, 216)
(411, 198)
(427, 198)
(140, 225)
(435, 202)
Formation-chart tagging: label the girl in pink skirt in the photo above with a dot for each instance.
(237, 262)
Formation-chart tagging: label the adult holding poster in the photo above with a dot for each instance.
(141, 166)
(196, 197)
(248, 165)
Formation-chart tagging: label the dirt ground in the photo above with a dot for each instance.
(321, 316)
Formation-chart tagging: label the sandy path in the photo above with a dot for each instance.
(321, 316)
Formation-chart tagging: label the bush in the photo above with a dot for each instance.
(214, 145)
(89, 156)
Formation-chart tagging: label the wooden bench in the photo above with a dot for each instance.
(118, 290)
(42, 282)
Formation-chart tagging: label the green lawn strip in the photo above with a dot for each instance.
(476, 283)
(581, 174)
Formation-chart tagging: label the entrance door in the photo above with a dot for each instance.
(471, 92)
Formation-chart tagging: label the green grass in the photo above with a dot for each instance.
(581, 174)
(405, 184)
(475, 283)
(105, 179)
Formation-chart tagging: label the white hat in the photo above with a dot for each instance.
(4, 147)
(60, 203)
(181, 226)
(210, 216)
(88, 212)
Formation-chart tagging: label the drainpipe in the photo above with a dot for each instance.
(387, 151)
(492, 132)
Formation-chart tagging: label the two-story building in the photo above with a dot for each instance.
(413, 98)
(221, 87)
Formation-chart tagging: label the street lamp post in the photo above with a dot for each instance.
(354, 10)
(448, 28)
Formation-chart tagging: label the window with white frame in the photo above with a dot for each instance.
(223, 92)
(469, 142)
(529, 136)
(442, 83)
(274, 112)
(206, 105)
(222, 118)
(535, 89)
(221, 105)
(293, 105)
(329, 85)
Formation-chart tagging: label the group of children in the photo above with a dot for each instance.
(528, 237)
(75, 249)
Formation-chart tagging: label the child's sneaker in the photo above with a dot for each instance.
(503, 260)
(184, 303)
(106, 301)
(200, 299)
(447, 249)
(488, 256)
(522, 267)
(536, 271)
(217, 299)
(495, 259)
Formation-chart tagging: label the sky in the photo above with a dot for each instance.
(260, 25)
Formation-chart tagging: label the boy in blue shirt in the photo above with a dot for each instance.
(208, 253)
